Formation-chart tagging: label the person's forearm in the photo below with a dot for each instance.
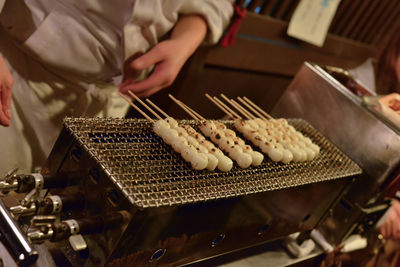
(191, 30)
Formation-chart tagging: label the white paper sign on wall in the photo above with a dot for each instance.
(311, 20)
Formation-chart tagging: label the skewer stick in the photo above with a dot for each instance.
(194, 112)
(238, 106)
(252, 109)
(183, 106)
(258, 108)
(156, 107)
(232, 104)
(240, 110)
(187, 109)
(146, 106)
(136, 107)
(231, 111)
(227, 108)
(215, 101)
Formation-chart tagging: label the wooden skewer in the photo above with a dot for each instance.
(240, 110)
(227, 109)
(231, 111)
(226, 106)
(238, 106)
(136, 107)
(258, 108)
(233, 104)
(146, 106)
(215, 101)
(157, 108)
(252, 109)
(183, 106)
(194, 112)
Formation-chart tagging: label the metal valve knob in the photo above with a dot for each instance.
(41, 228)
(23, 183)
(8, 182)
(23, 209)
(39, 236)
(43, 221)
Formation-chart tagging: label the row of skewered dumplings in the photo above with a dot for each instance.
(279, 140)
(275, 138)
(193, 147)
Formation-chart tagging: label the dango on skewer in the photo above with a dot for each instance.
(282, 130)
(191, 137)
(293, 149)
(256, 157)
(228, 141)
(171, 136)
(215, 131)
(215, 156)
(284, 126)
(224, 162)
(269, 148)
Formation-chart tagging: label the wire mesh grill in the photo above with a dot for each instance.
(150, 174)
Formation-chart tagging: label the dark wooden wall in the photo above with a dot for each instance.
(264, 59)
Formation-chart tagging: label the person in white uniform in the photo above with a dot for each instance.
(65, 58)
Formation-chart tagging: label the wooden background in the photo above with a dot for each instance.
(264, 59)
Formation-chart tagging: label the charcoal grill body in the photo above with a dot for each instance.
(177, 215)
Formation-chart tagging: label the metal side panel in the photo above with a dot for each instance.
(329, 107)
(333, 110)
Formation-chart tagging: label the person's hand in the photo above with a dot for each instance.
(390, 229)
(167, 57)
(6, 84)
(167, 66)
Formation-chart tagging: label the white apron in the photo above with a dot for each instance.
(65, 54)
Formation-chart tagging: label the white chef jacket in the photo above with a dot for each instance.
(65, 54)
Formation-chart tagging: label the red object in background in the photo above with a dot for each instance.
(356, 88)
(349, 82)
(230, 35)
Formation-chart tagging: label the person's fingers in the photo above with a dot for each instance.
(396, 208)
(3, 117)
(124, 84)
(396, 225)
(155, 55)
(6, 95)
(397, 233)
(128, 71)
(150, 92)
(388, 228)
(392, 227)
(383, 230)
(159, 78)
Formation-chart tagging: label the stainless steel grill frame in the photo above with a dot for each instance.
(191, 215)
(150, 174)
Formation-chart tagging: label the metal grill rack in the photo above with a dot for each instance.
(150, 174)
